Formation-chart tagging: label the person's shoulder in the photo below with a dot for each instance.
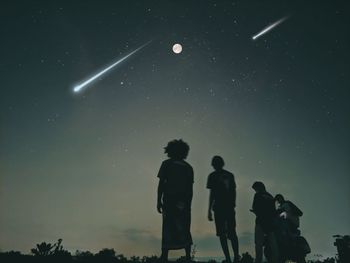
(184, 165)
(166, 162)
(267, 195)
(212, 174)
(289, 202)
(261, 195)
(229, 173)
(183, 162)
(187, 163)
(286, 205)
(188, 168)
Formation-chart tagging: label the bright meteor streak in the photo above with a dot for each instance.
(270, 27)
(79, 87)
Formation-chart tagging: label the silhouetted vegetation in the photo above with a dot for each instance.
(247, 258)
(46, 249)
(55, 253)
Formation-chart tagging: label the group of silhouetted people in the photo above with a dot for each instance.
(273, 227)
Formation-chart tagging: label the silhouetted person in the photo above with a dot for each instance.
(222, 200)
(265, 211)
(343, 246)
(287, 226)
(289, 211)
(175, 191)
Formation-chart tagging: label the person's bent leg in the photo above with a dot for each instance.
(259, 243)
(223, 242)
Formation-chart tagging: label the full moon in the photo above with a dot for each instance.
(177, 48)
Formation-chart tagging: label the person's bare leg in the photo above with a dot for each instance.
(234, 243)
(223, 242)
(164, 256)
(188, 252)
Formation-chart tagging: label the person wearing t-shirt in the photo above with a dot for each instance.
(174, 198)
(266, 215)
(222, 200)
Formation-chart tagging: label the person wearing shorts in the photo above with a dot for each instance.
(222, 200)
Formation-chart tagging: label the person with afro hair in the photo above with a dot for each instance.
(174, 199)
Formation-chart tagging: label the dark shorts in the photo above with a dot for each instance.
(225, 223)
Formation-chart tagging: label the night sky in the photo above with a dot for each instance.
(83, 166)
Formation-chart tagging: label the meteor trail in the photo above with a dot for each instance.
(79, 87)
(270, 27)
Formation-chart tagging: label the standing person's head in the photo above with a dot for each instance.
(177, 149)
(259, 187)
(217, 162)
(279, 199)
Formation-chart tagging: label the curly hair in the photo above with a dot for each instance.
(177, 149)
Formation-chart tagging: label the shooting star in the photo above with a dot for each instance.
(79, 87)
(270, 27)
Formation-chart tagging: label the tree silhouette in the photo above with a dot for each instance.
(47, 249)
(121, 258)
(42, 249)
(134, 259)
(83, 254)
(247, 258)
(106, 253)
(150, 259)
(55, 253)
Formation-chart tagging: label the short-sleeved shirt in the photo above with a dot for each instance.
(177, 176)
(223, 189)
(264, 209)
